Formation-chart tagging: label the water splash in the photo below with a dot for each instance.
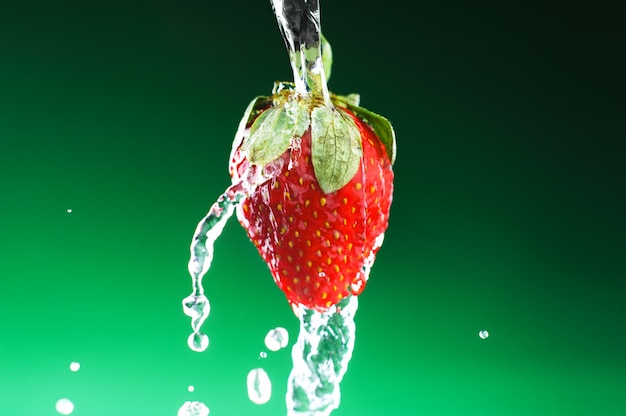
(299, 25)
(193, 409)
(320, 358)
(197, 305)
(259, 386)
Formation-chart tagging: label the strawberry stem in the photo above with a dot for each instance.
(299, 23)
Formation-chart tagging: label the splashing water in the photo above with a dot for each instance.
(320, 358)
(197, 305)
(193, 409)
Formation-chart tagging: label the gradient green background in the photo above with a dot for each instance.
(508, 212)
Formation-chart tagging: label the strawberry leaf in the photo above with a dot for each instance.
(344, 100)
(272, 132)
(336, 148)
(382, 127)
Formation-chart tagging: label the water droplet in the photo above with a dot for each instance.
(74, 366)
(357, 287)
(483, 334)
(198, 341)
(296, 151)
(69, 210)
(276, 339)
(262, 354)
(196, 305)
(272, 169)
(190, 389)
(65, 406)
(259, 386)
(193, 409)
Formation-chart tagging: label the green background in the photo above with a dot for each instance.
(508, 212)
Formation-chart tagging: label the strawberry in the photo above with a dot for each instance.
(319, 213)
(318, 245)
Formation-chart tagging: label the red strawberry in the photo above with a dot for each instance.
(319, 245)
(317, 173)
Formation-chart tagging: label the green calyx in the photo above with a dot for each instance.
(336, 143)
(336, 147)
(381, 126)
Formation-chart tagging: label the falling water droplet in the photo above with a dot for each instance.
(259, 386)
(74, 366)
(483, 334)
(69, 210)
(193, 409)
(276, 339)
(65, 406)
(198, 342)
(262, 354)
(190, 389)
